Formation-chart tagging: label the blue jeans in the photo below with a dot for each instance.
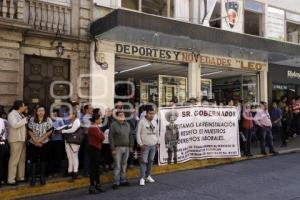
(120, 165)
(147, 158)
(266, 138)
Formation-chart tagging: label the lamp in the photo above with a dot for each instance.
(103, 65)
(60, 49)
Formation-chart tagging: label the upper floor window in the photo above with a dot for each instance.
(131, 4)
(253, 18)
(156, 7)
(292, 27)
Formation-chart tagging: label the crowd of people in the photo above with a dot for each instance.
(37, 145)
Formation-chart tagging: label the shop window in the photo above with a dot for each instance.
(158, 7)
(130, 4)
(253, 18)
(215, 20)
(293, 32)
(253, 23)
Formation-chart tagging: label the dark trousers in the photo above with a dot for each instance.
(4, 156)
(266, 138)
(248, 134)
(94, 172)
(37, 154)
(83, 155)
(57, 156)
(172, 151)
(285, 133)
(296, 124)
(277, 132)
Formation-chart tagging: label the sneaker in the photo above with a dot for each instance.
(142, 182)
(150, 179)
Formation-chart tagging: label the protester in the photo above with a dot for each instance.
(148, 140)
(248, 128)
(17, 143)
(39, 128)
(4, 150)
(95, 139)
(296, 111)
(133, 122)
(255, 136)
(240, 110)
(193, 101)
(173, 102)
(262, 119)
(121, 142)
(276, 116)
(85, 123)
(287, 117)
(72, 149)
(283, 102)
(106, 151)
(57, 144)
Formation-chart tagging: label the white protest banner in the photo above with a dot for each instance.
(198, 132)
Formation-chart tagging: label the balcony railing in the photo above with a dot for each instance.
(48, 17)
(9, 9)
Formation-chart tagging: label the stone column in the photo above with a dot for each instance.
(263, 82)
(194, 80)
(102, 81)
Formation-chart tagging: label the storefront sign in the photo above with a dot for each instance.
(188, 133)
(279, 87)
(187, 57)
(293, 74)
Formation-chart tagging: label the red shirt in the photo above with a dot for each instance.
(247, 120)
(95, 137)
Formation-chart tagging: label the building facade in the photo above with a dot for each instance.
(44, 50)
(183, 49)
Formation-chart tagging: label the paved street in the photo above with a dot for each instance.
(272, 178)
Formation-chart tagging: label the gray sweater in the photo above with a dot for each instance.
(120, 135)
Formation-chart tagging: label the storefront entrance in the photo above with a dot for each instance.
(284, 81)
(223, 85)
(160, 83)
(153, 82)
(39, 73)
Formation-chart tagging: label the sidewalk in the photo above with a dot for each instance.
(64, 184)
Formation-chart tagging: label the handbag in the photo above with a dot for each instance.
(76, 137)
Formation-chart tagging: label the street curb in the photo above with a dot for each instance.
(26, 191)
